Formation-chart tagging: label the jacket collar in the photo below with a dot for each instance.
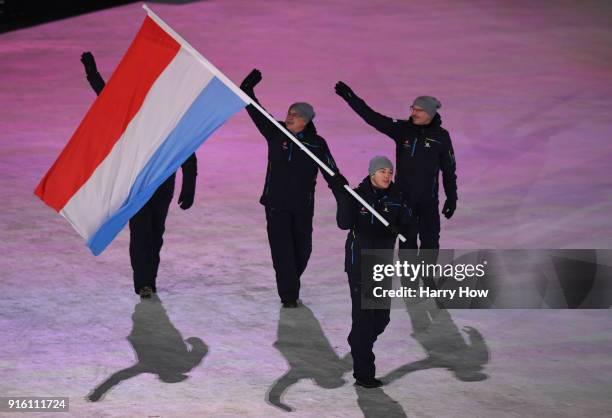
(435, 123)
(309, 131)
(365, 188)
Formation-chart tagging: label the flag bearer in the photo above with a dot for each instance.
(367, 233)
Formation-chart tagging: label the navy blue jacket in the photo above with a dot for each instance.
(291, 175)
(421, 151)
(365, 231)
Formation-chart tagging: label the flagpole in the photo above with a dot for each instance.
(252, 102)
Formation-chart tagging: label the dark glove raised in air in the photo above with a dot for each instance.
(344, 91)
(250, 81)
(449, 208)
(89, 63)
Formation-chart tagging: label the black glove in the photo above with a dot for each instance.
(395, 229)
(185, 199)
(344, 91)
(250, 81)
(449, 208)
(89, 63)
(337, 182)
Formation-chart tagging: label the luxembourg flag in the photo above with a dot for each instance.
(161, 103)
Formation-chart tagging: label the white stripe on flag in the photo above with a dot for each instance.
(164, 106)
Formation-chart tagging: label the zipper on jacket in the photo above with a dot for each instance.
(290, 150)
(414, 146)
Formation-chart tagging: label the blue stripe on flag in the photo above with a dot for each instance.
(213, 106)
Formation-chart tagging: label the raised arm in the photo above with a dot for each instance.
(275, 393)
(381, 123)
(263, 124)
(114, 380)
(93, 76)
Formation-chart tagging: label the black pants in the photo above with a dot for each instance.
(147, 228)
(290, 237)
(428, 231)
(428, 226)
(367, 325)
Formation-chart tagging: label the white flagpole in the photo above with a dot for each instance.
(250, 101)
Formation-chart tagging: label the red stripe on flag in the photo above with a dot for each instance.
(147, 57)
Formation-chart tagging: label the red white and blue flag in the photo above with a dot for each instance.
(161, 103)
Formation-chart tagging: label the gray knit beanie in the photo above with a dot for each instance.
(305, 110)
(429, 104)
(379, 162)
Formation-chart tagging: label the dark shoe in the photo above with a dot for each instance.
(290, 304)
(145, 292)
(369, 383)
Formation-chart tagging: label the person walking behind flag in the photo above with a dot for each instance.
(162, 102)
(288, 193)
(423, 149)
(147, 226)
